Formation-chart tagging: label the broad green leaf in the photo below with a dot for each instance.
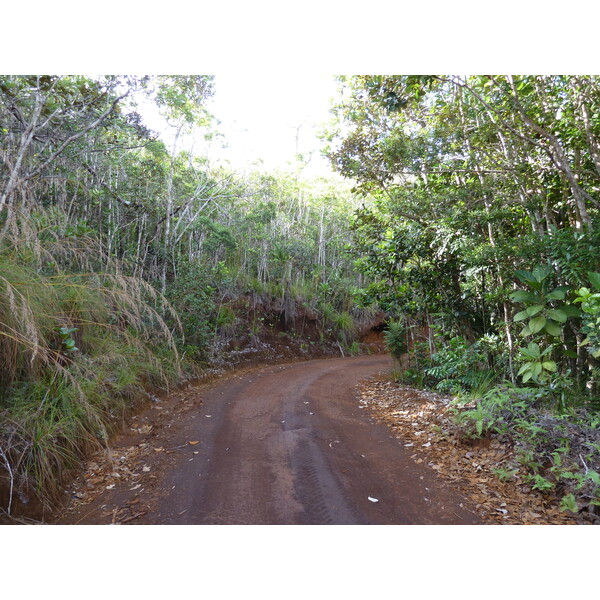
(526, 277)
(521, 315)
(556, 295)
(570, 311)
(527, 376)
(536, 369)
(528, 354)
(594, 279)
(525, 331)
(593, 475)
(557, 315)
(524, 368)
(563, 288)
(533, 349)
(537, 324)
(549, 365)
(552, 328)
(534, 310)
(523, 296)
(540, 273)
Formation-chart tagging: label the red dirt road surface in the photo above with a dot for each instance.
(284, 444)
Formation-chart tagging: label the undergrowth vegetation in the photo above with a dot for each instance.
(557, 451)
(549, 416)
(79, 344)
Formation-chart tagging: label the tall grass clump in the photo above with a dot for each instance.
(80, 342)
(344, 326)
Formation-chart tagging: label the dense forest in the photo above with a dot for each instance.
(466, 226)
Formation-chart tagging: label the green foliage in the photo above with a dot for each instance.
(76, 348)
(545, 317)
(536, 366)
(573, 252)
(590, 306)
(395, 339)
(548, 325)
(226, 316)
(344, 324)
(505, 474)
(59, 417)
(541, 483)
(182, 96)
(557, 453)
(354, 348)
(459, 367)
(459, 194)
(569, 503)
(67, 340)
(192, 296)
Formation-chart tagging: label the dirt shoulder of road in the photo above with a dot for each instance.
(421, 420)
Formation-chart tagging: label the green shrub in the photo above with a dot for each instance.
(590, 306)
(192, 295)
(459, 367)
(395, 339)
(225, 316)
(354, 348)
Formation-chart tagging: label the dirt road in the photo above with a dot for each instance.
(280, 445)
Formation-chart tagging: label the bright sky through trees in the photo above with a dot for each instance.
(272, 117)
(268, 117)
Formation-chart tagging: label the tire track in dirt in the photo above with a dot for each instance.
(290, 445)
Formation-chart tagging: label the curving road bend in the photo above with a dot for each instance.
(290, 445)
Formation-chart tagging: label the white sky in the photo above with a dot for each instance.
(265, 119)
(271, 116)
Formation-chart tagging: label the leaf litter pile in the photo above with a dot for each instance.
(422, 421)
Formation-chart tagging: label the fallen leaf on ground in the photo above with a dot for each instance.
(469, 466)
